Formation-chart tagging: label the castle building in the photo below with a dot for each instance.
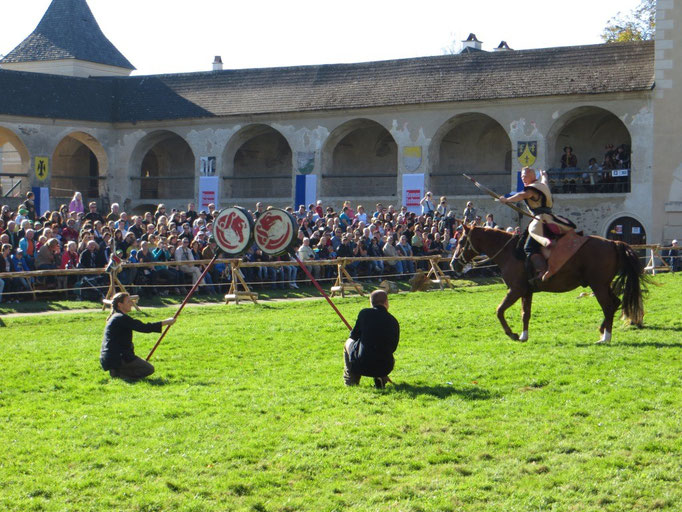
(71, 118)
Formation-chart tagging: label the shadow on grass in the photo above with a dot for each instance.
(654, 344)
(660, 328)
(472, 393)
(154, 381)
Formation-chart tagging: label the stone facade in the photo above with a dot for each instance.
(357, 153)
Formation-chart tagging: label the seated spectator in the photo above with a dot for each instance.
(306, 253)
(390, 250)
(469, 213)
(490, 221)
(70, 232)
(8, 285)
(49, 255)
(164, 273)
(28, 245)
(184, 253)
(19, 265)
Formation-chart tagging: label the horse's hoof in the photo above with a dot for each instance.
(513, 336)
(524, 336)
(601, 342)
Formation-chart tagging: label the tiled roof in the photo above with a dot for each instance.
(68, 30)
(479, 76)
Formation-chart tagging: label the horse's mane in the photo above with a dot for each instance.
(501, 237)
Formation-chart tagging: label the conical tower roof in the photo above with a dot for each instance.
(68, 30)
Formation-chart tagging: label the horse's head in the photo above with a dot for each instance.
(465, 251)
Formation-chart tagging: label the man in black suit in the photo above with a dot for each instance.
(372, 342)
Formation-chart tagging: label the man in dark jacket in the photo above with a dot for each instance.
(372, 342)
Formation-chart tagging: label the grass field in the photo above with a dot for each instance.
(247, 411)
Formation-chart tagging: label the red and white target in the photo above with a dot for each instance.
(233, 230)
(276, 232)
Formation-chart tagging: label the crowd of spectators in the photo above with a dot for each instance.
(595, 177)
(78, 235)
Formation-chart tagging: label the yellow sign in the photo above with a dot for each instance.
(527, 152)
(41, 167)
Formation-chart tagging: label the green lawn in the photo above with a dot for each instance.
(247, 411)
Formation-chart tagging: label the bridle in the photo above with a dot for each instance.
(468, 245)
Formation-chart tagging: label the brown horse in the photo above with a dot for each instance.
(596, 264)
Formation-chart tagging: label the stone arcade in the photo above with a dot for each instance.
(67, 96)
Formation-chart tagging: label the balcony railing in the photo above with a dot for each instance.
(583, 181)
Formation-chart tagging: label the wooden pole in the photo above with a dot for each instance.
(189, 295)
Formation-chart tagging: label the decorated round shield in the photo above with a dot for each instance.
(276, 232)
(233, 230)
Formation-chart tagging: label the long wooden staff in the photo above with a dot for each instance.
(319, 288)
(497, 196)
(189, 295)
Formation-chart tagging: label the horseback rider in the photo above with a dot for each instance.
(538, 198)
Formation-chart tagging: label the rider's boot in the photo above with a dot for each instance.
(540, 267)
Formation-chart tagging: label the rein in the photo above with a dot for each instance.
(488, 259)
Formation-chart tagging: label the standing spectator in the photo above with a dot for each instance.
(672, 257)
(428, 208)
(568, 159)
(469, 213)
(76, 204)
(442, 209)
(30, 207)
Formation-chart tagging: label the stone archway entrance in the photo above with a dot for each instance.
(258, 165)
(164, 164)
(627, 229)
(14, 164)
(471, 143)
(360, 159)
(79, 163)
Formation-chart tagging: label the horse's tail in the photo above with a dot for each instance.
(631, 283)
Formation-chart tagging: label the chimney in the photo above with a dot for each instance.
(218, 63)
(503, 47)
(471, 43)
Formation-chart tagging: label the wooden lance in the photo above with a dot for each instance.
(189, 295)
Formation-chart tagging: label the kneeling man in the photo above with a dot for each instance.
(369, 350)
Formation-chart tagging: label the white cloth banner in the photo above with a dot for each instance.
(208, 192)
(413, 191)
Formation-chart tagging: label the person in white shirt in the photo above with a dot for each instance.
(306, 253)
(184, 253)
(428, 208)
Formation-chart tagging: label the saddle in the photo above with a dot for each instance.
(562, 249)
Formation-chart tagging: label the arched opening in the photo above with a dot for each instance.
(257, 164)
(14, 164)
(164, 165)
(471, 143)
(79, 163)
(627, 229)
(600, 146)
(360, 159)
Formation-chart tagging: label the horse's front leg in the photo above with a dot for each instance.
(509, 300)
(526, 302)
